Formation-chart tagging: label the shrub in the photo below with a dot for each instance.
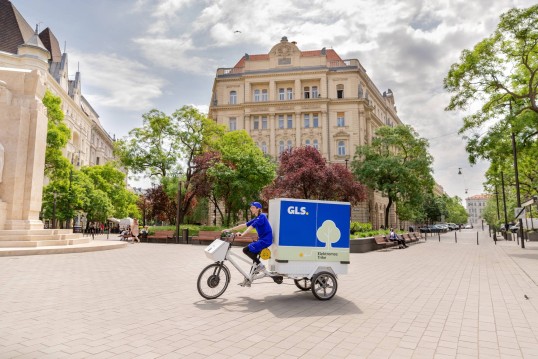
(360, 227)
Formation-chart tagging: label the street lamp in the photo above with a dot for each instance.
(54, 210)
(346, 162)
(179, 183)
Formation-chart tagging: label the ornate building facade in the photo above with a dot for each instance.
(24, 49)
(289, 98)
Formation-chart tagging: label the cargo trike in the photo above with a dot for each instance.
(310, 246)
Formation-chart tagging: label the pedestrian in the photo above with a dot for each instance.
(265, 236)
(135, 231)
(394, 238)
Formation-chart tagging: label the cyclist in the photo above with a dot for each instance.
(265, 234)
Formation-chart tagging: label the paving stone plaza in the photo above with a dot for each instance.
(432, 300)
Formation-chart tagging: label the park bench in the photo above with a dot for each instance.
(383, 241)
(161, 236)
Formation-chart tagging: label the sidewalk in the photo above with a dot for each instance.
(434, 299)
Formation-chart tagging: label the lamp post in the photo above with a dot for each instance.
(514, 152)
(504, 205)
(346, 162)
(178, 209)
(54, 210)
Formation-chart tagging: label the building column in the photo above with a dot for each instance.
(272, 136)
(248, 93)
(325, 140)
(297, 129)
(272, 89)
(298, 90)
(246, 122)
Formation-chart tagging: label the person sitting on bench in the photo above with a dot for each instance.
(394, 238)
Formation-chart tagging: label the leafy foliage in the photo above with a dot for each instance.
(396, 163)
(304, 173)
(500, 70)
(58, 134)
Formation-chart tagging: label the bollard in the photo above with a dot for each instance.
(495, 237)
(456, 236)
(476, 238)
(439, 234)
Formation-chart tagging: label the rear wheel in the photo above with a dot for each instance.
(324, 285)
(303, 283)
(213, 280)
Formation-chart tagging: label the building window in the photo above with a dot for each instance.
(290, 93)
(264, 95)
(233, 97)
(340, 91)
(264, 147)
(307, 143)
(280, 121)
(280, 147)
(341, 148)
(290, 122)
(97, 161)
(340, 119)
(306, 120)
(315, 92)
(255, 122)
(316, 145)
(281, 94)
(306, 92)
(256, 95)
(315, 122)
(264, 122)
(233, 123)
(289, 145)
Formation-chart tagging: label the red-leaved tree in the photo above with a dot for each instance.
(304, 173)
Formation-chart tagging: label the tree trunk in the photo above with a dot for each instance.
(387, 211)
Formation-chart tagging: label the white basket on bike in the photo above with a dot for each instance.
(217, 250)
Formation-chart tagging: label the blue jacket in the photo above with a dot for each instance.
(265, 233)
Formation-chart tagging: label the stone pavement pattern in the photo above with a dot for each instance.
(441, 300)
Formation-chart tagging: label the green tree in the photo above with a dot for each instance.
(500, 72)
(153, 149)
(456, 213)
(58, 135)
(109, 182)
(240, 175)
(396, 163)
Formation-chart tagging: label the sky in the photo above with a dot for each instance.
(136, 55)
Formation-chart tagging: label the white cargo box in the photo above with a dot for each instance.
(216, 251)
(309, 236)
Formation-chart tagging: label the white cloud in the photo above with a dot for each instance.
(117, 81)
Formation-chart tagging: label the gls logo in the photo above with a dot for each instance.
(301, 211)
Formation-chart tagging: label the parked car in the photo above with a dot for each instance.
(514, 228)
(468, 226)
(452, 226)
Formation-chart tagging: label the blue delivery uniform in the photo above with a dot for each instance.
(265, 233)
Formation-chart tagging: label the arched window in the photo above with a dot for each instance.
(315, 144)
(280, 147)
(264, 147)
(307, 143)
(233, 97)
(341, 148)
(289, 145)
(340, 91)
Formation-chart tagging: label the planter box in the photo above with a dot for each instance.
(363, 245)
(532, 236)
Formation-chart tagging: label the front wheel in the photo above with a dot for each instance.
(213, 280)
(303, 283)
(324, 285)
